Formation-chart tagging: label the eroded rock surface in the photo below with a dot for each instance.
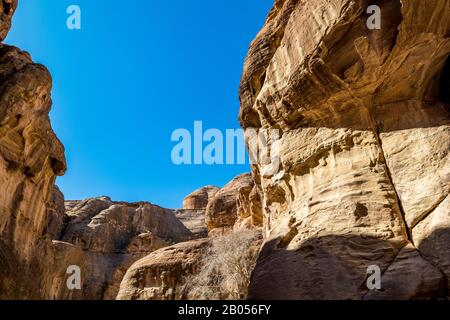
(198, 200)
(364, 122)
(230, 206)
(31, 157)
(105, 238)
(159, 276)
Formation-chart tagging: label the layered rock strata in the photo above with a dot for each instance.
(364, 166)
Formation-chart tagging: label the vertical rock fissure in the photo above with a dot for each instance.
(391, 181)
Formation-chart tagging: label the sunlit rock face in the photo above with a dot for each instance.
(31, 157)
(364, 172)
(104, 238)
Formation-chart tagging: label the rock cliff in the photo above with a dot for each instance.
(104, 238)
(364, 174)
(31, 157)
(166, 274)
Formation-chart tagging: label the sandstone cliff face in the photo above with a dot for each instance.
(364, 172)
(198, 200)
(232, 207)
(192, 215)
(105, 238)
(173, 272)
(160, 275)
(30, 158)
(363, 181)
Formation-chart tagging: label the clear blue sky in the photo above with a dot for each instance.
(136, 71)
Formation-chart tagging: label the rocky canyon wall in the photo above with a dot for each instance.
(364, 173)
(363, 178)
(31, 157)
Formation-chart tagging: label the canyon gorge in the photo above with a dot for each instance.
(363, 177)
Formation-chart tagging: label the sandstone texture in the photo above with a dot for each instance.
(364, 166)
(198, 200)
(231, 207)
(31, 157)
(359, 176)
(105, 238)
(163, 274)
(194, 220)
(159, 276)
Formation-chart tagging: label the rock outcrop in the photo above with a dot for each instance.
(31, 157)
(194, 220)
(104, 238)
(159, 276)
(199, 199)
(363, 179)
(192, 215)
(231, 207)
(163, 274)
(364, 166)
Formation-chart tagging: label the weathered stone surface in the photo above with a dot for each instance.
(30, 159)
(7, 8)
(106, 238)
(419, 163)
(194, 220)
(410, 277)
(198, 200)
(229, 204)
(364, 122)
(159, 276)
(432, 237)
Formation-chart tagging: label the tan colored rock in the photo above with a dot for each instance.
(363, 120)
(30, 159)
(198, 200)
(229, 204)
(160, 275)
(194, 220)
(419, 163)
(111, 236)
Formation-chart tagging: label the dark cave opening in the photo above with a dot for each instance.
(444, 83)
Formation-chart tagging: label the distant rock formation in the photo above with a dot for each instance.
(363, 180)
(198, 200)
(162, 274)
(233, 207)
(193, 213)
(105, 238)
(364, 173)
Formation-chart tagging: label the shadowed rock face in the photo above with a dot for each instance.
(364, 170)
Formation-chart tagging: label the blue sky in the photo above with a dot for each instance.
(136, 71)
